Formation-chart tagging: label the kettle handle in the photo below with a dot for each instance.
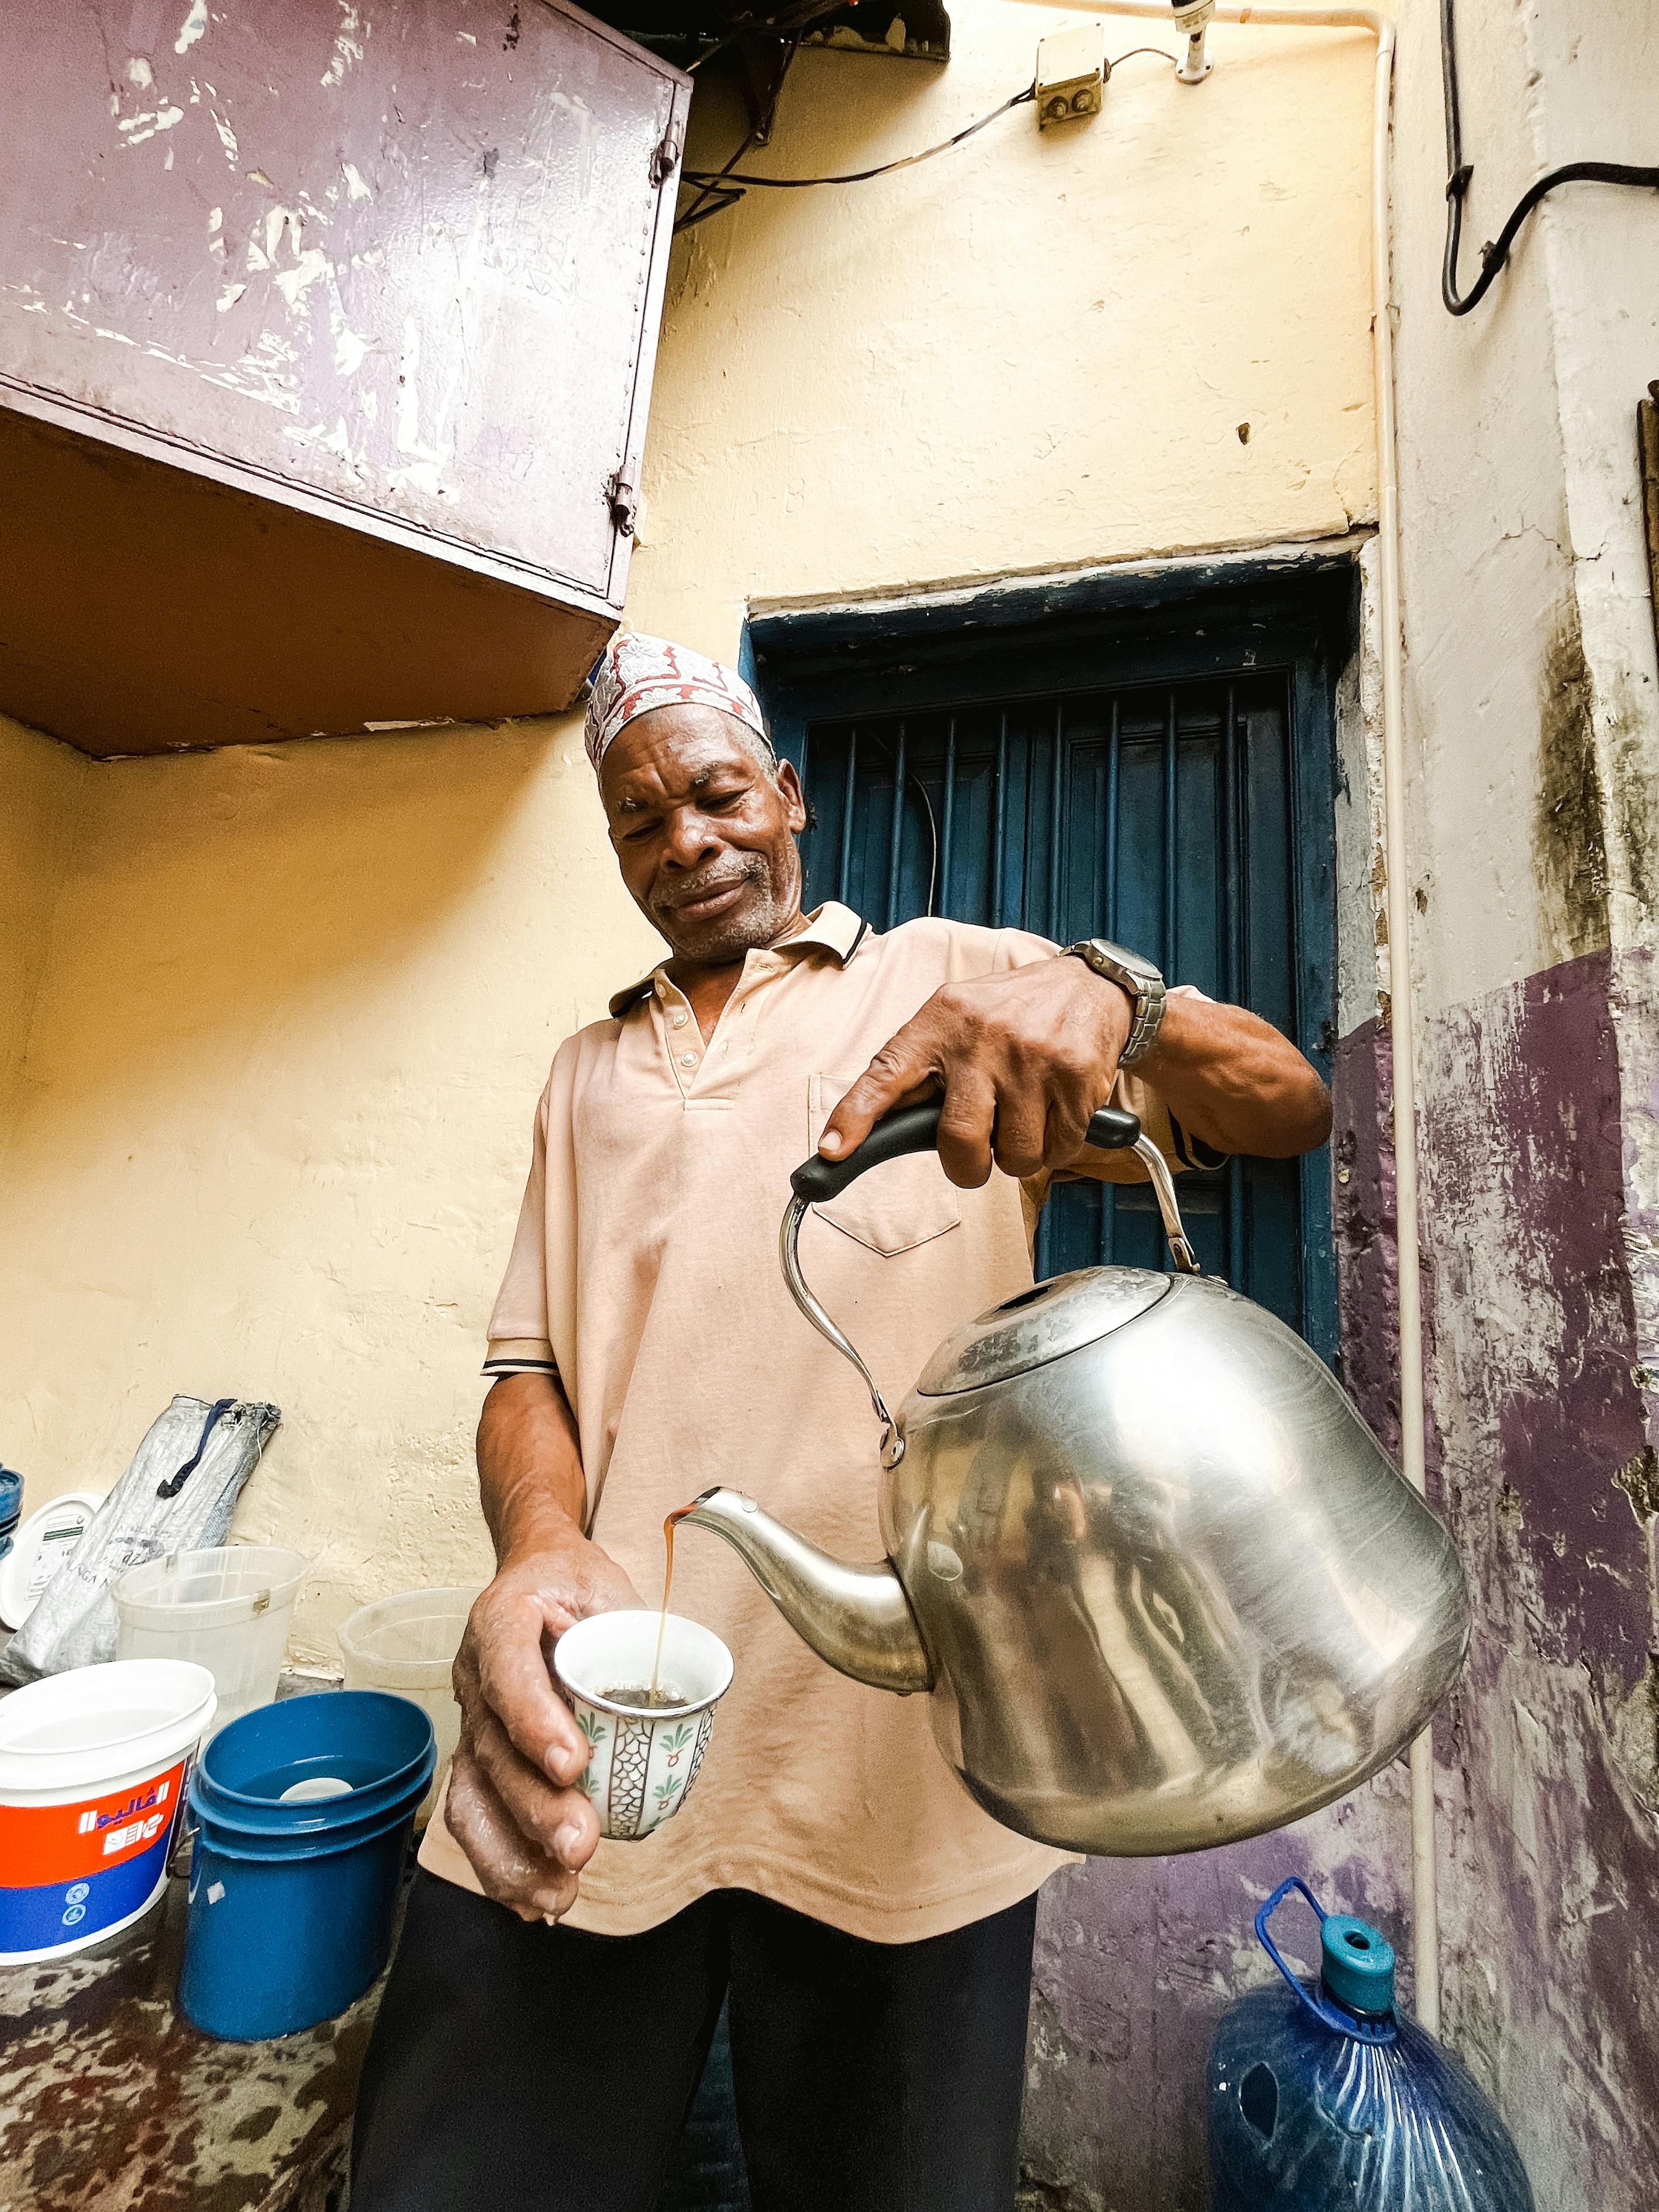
(915, 1129)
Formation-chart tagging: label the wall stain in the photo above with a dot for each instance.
(1638, 1478)
(1634, 1737)
(1569, 836)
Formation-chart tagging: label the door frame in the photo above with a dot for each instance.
(1296, 612)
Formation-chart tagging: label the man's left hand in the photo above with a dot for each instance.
(1023, 1059)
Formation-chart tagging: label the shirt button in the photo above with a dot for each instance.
(688, 1060)
(678, 1021)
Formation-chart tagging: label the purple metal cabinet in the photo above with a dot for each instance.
(327, 330)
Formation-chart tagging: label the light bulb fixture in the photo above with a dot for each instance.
(1193, 18)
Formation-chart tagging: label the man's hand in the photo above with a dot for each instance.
(513, 1806)
(1026, 1057)
(1023, 1059)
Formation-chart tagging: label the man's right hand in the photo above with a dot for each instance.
(513, 1804)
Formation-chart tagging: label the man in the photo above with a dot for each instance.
(548, 2016)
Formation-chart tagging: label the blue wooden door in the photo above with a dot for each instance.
(1161, 816)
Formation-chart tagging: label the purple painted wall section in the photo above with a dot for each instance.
(1552, 1891)
(1549, 1757)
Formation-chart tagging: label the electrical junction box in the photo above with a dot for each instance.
(326, 333)
(1071, 73)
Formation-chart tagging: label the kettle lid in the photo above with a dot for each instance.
(1043, 1323)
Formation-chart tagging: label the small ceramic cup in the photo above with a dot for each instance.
(642, 1764)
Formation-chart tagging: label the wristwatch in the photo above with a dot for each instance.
(1139, 979)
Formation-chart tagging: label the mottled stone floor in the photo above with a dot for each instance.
(109, 2099)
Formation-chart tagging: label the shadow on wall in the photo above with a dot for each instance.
(222, 907)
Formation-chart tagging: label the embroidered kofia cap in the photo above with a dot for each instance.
(639, 673)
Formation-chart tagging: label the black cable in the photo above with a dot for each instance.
(1459, 172)
(717, 189)
(713, 190)
(725, 177)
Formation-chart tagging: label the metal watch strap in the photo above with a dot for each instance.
(1139, 979)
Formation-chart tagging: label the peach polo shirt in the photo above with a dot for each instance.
(645, 1275)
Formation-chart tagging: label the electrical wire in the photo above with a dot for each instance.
(714, 194)
(717, 189)
(778, 23)
(1459, 173)
(856, 176)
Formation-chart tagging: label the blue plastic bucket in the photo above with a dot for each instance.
(11, 1507)
(266, 1772)
(289, 1923)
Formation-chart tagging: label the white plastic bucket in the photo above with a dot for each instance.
(93, 1766)
(407, 1644)
(226, 1609)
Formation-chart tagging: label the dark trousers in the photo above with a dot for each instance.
(515, 2065)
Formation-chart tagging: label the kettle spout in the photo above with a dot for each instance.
(858, 1618)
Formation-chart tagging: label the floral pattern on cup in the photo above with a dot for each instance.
(641, 1765)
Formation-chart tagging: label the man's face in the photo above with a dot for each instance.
(705, 838)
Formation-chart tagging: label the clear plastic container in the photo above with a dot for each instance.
(407, 1644)
(228, 1609)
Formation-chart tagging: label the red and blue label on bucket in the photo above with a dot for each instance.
(67, 1870)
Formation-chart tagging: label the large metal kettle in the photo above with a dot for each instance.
(1161, 1582)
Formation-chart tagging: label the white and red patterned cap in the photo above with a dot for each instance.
(639, 673)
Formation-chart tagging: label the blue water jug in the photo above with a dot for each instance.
(1330, 2101)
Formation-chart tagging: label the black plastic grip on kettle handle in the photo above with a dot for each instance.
(915, 1129)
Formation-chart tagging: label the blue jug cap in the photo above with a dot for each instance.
(1357, 1965)
(11, 1498)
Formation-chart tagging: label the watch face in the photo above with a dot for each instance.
(1136, 962)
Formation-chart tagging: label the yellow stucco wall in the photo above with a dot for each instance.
(289, 1009)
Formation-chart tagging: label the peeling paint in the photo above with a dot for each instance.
(348, 45)
(193, 28)
(143, 127)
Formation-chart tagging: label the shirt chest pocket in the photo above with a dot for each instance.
(893, 1208)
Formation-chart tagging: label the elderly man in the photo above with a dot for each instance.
(554, 1996)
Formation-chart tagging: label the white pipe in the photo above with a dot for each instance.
(1425, 1907)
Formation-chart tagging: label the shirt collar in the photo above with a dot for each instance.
(833, 928)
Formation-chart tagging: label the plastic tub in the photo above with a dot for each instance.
(228, 1609)
(289, 1926)
(92, 1774)
(45, 1542)
(407, 1644)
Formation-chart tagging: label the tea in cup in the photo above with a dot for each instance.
(644, 1747)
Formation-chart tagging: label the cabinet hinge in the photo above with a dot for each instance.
(666, 158)
(623, 501)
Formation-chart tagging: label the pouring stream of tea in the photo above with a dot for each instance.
(678, 1514)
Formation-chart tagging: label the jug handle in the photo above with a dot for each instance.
(915, 1129)
(1345, 2023)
